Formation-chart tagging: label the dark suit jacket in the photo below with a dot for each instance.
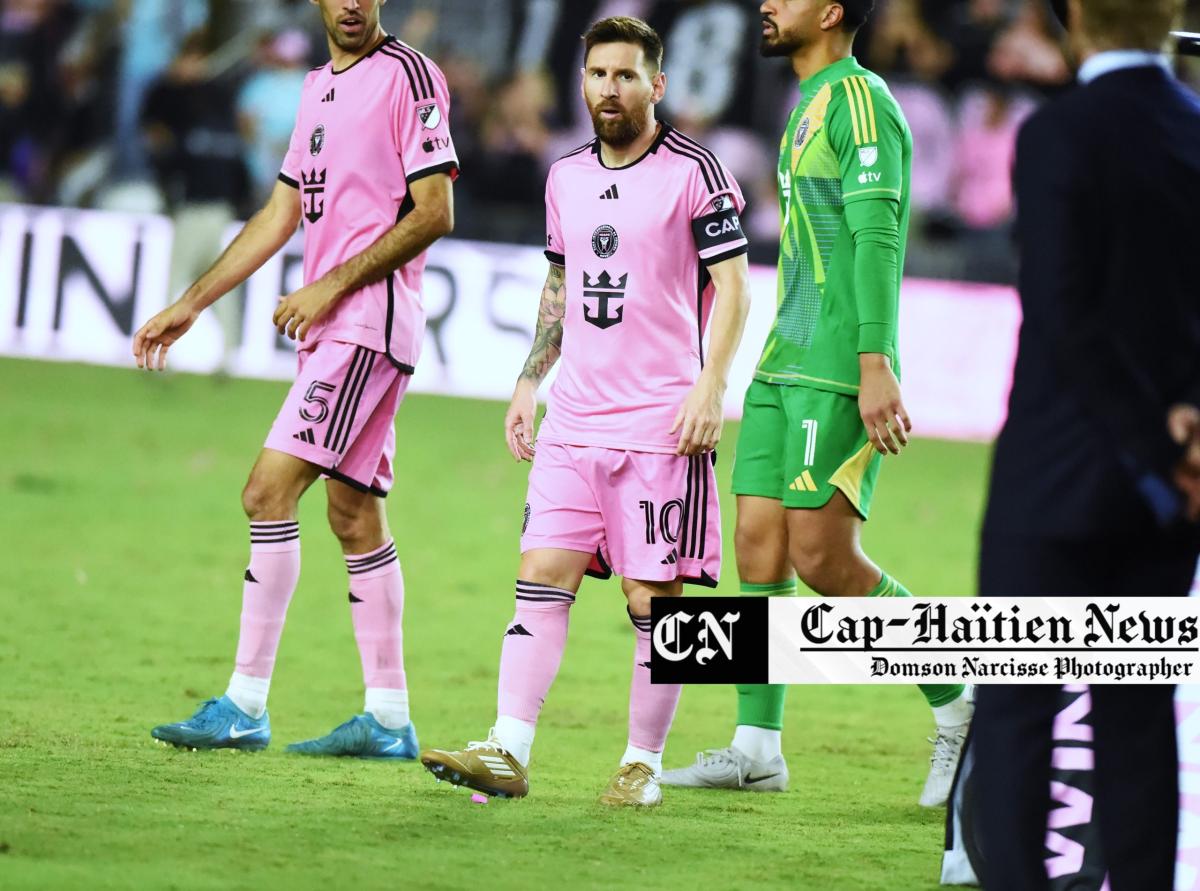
(1108, 223)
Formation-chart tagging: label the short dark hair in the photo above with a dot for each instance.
(626, 29)
(855, 13)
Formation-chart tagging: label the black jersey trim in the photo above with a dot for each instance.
(556, 259)
(367, 55)
(703, 280)
(288, 181)
(590, 144)
(420, 81)
(604, 572)
(727, 255)
(444, 167)
(352, 483)
(714, 162)
(664, 131)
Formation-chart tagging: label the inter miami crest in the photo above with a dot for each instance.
(312, 186)
(605, 241)
(604, 291)
(430, 116)
(316, 142)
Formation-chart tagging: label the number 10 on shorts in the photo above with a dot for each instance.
(666, 522)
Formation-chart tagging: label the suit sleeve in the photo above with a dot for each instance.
(422, 121)
(716, 208)
(868, 136)
(1057, 216)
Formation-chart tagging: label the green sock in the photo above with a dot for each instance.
(935, 694)
(761, 705)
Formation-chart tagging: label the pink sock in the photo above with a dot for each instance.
(532, 650)
(651, 706)
(270, 580)
(377, 608)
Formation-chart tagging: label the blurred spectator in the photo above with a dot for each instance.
(267, 104)
(903, 43)
(1028, 50)
(507, 172)
(153, 31)
(193, 140)
(709, 58)
(74, 76)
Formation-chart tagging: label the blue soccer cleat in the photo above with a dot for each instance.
(217, 724)
(362, 737)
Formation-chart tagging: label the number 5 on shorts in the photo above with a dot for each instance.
(312, 397)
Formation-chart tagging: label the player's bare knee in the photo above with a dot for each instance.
(545, 567)
(359, 528)
(640, 594)
(819, 568)
(263, 501)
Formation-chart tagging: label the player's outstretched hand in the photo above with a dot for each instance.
(153, 339)
(879, 404)
(698, 421)
(518, 420)
(298, 311)
(1183, 423)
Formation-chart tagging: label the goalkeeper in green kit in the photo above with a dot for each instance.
(825, 406)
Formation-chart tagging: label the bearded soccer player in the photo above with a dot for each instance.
(642, 224)
(825, 406)
(369, 169)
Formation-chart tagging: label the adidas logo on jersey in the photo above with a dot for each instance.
(329, 96)
(305, 436)
(670, 560)
(611, 192)
(803, 483)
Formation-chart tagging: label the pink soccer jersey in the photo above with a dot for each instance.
(635, 242)
(362, 135)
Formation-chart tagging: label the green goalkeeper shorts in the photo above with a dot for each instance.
(800, 445)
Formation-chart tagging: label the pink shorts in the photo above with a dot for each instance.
(341, 414)
(645, 516)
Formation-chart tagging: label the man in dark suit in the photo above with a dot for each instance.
(1096, 478)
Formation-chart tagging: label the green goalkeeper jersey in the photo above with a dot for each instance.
(844, 172)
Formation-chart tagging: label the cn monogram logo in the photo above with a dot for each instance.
(604, 291)
(313, 188)
(670, 637)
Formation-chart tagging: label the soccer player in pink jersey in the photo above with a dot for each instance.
(642, 229)
(369, 170)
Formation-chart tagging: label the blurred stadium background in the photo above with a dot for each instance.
(133, 135)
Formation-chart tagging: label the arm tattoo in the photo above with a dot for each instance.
(547, 339)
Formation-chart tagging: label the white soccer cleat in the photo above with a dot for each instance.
(947, 749)
(730, 769)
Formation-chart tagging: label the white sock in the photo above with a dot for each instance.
(758, 743)
(952, 714)
(249, 693)
(390, 707)
(653, 760)
(515, 736)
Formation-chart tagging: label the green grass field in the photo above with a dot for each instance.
(120, 587)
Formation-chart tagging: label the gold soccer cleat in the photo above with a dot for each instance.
(633, 785)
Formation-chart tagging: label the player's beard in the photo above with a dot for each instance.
(351, 43)
(775, 43)
(620, 131)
